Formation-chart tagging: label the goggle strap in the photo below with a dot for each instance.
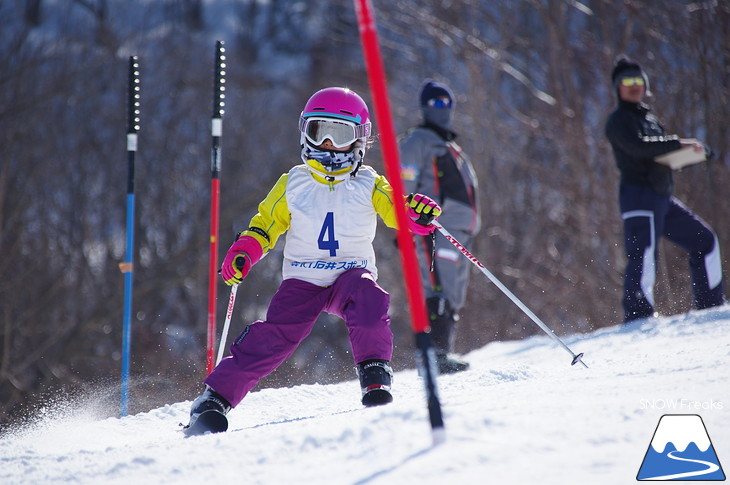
(361, 131)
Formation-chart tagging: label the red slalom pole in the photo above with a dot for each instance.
(416, 302)
(216, 132)
(212, 273)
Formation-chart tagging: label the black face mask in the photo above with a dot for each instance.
(440, 117)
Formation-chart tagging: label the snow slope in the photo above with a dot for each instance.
(521, 415)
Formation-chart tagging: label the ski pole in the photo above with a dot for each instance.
(576, 358)
(227, 323)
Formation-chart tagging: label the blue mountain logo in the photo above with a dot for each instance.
(681, 450)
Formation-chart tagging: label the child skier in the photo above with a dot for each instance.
(329, 206)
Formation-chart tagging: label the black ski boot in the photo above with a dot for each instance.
(443, 327)
(376, 377)
(449, 364)
(208, 414)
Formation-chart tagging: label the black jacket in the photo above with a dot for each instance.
(637, 138)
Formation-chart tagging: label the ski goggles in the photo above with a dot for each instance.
(440, 102)
(340, 132)
(632, 81)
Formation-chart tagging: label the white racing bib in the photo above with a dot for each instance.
(332, 229)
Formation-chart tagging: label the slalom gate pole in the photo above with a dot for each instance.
(227, 323)
(216, 132)
(127, 267)
(576, 358)
(419, 317)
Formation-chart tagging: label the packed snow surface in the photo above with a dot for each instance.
(521, 415)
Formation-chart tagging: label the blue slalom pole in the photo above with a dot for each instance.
(128, 266)
(128, 284)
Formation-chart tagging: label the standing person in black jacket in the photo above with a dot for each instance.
(434, 165)
(648, 208)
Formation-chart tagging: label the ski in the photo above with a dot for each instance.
(207, 422)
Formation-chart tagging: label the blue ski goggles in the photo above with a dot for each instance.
(340, 132)
(440, 102)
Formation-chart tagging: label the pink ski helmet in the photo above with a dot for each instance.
(339, 104)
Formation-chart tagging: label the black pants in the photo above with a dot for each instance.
(647, 217)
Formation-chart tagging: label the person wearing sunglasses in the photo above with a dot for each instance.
(648, 209)
(434, 164)
(328, 205)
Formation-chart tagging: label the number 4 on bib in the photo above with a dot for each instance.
(327, 241)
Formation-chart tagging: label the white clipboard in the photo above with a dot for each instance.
(683, 157)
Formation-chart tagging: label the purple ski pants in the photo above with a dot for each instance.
(265, 345)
